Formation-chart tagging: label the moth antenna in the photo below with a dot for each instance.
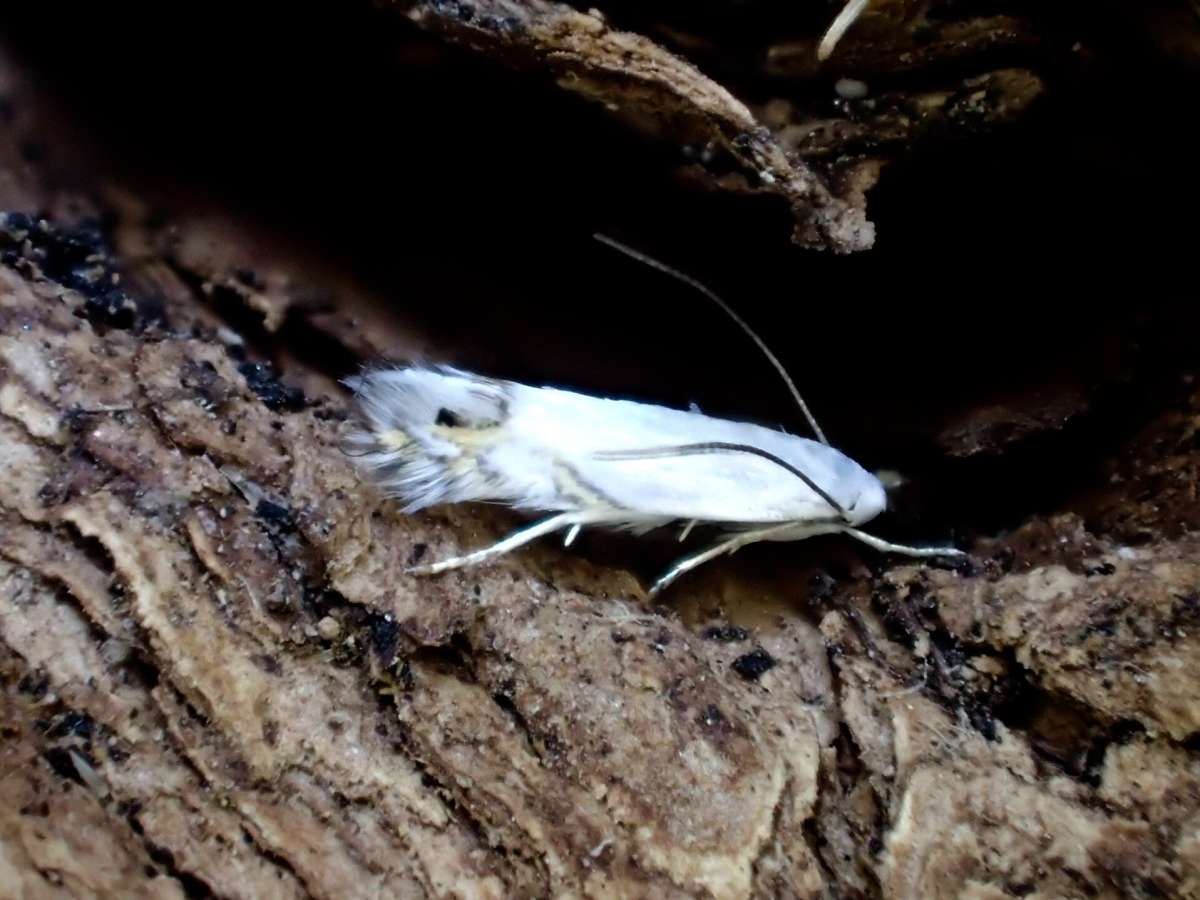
(741, 323)
(847, 17)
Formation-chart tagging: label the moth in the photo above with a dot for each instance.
(436, 434)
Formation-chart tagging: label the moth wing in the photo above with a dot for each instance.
(425, 432)
(718, 487)
(580, 433)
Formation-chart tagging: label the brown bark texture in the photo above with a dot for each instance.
(216, 676)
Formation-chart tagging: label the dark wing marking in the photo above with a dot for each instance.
(720, 447)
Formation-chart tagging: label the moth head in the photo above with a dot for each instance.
(890, 479)
(870, 501)
(892, 483)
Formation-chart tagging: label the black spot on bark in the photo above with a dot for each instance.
(276, 517)
(73, 724)
(275, 395)
(753, 665)
(385, 638)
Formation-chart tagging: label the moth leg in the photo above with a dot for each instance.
(850, 12)
(687, 564)
(687, 529)
(572, 533)
(888, 547)
(510, 543)
(736, 542)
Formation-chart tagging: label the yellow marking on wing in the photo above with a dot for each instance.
(570, 486)
(469, 438)
(394, 439)
(463, 465)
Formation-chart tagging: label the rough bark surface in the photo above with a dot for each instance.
(820, 164)
(216, 678)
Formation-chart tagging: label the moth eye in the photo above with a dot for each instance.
(447, 418)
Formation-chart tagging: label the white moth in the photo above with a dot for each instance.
(436, 435)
